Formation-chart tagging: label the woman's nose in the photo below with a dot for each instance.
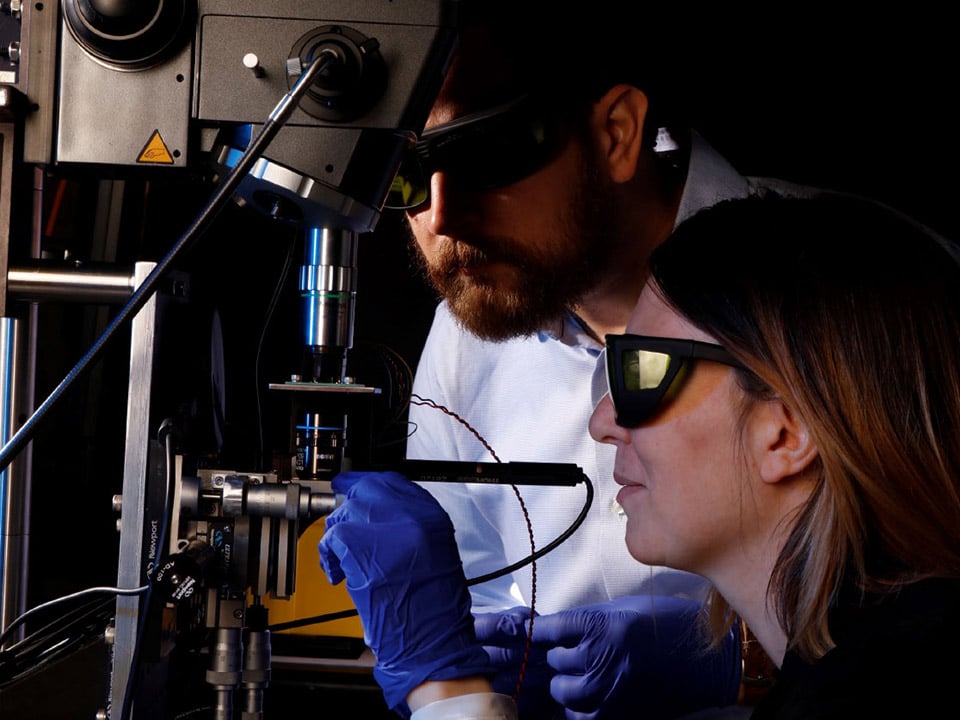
(603, 425)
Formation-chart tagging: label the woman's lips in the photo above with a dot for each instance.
(622, 480)
(627, 492)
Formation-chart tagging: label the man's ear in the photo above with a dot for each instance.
(619, 117)
(781, 441)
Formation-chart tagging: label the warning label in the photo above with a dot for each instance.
(155, 151)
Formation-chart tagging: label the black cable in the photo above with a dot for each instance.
(145, 290)
(167, 435)
(315, 620)
(546, 548)
(17, 622)
(578, 521)
(268, 317)
(55, 638)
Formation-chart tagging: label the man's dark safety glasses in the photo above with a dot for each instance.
(481, 151)
(642, 371)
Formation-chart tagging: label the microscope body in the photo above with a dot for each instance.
(164, 91)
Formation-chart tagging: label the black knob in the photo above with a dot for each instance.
(352, 81)
(129, 34)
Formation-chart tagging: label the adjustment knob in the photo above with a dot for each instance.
(128, 34)
(353, 80)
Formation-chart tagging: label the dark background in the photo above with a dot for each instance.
(838, 97)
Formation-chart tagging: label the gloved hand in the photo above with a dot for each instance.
(639, 655)
(395, 546)
(504, 637)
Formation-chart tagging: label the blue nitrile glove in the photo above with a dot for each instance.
(504, 637)
(394, 545)
(637, 654)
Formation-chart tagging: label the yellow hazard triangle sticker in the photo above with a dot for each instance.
(155, 151)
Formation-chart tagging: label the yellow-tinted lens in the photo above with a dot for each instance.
(405, 193)
(644, 369)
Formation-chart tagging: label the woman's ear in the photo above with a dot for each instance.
(781, 441)
(618, 118)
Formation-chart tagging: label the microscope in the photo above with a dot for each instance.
(293, 110)
(289, 119)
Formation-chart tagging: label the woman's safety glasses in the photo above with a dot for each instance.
(480, 151)
(642, 371)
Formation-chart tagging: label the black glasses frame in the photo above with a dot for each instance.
(484, 150)
(633, 407)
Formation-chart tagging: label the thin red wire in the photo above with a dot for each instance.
(418, 400)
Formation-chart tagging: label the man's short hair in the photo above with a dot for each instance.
(575, 54)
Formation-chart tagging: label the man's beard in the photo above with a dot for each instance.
(541, 287)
